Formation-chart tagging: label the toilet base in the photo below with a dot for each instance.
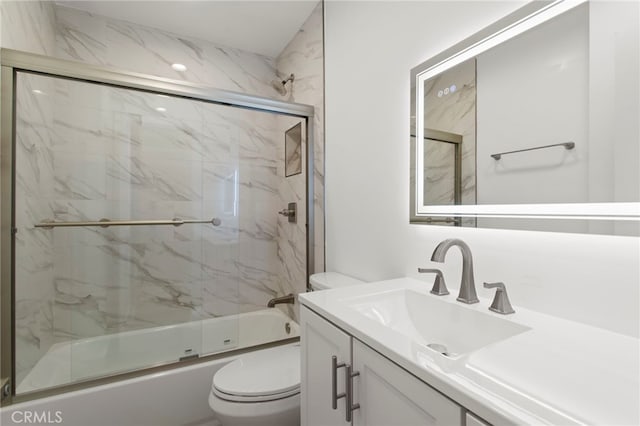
(281, 412)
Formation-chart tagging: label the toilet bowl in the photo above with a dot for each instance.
(262, 388)
(259, 388)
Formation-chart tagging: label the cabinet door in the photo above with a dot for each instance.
(319, 341)
(388, 395)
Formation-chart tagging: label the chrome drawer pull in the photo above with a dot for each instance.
(351, 407)
(334, 382)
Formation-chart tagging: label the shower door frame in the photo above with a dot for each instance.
(14, 61)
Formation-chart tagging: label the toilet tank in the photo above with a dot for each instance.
(327, 280)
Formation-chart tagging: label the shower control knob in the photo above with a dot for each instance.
(290, 212)
(216, 221)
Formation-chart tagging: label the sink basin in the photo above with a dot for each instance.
(448, 328)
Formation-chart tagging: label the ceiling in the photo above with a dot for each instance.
(259, 26)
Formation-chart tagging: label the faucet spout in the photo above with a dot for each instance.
(467, 293)
(289, 298)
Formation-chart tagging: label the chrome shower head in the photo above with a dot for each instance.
(281, 85)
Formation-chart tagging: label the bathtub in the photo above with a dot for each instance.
(186, 388)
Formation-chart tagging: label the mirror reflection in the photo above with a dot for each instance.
(545, 118)
(449, 162)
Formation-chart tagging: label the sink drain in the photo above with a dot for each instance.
(439, 348)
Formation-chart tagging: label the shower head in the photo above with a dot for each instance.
(281, 85)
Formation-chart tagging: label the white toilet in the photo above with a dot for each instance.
(262, 388)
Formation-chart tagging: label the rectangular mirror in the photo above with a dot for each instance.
(532, 123)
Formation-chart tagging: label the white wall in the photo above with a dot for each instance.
(370, 48)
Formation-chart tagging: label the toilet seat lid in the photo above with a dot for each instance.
(268, 372)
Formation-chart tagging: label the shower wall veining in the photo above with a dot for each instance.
(79, 283)
(453, 112)
(304, 57)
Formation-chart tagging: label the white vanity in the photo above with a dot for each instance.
(417, 358)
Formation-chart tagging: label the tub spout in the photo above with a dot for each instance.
(289, 298)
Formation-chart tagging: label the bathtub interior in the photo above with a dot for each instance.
(83, 359)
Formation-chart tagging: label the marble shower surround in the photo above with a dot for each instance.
(30, 26)
(304, 57)
(80, 36)
(110, 153)
(94, 39)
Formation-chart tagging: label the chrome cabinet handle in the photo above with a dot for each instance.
(334, 382)
(351, 407)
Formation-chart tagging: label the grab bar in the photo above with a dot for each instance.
(105, 223)
(567, 145)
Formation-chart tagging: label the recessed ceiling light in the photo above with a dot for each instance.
(161, 109)
(179, 67)
(38, 92)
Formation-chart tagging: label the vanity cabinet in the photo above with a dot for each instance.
(319, 342)
(384, 393)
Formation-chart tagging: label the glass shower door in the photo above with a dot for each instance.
(91, 300)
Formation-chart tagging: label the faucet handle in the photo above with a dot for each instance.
(500, 302)
(439, 287)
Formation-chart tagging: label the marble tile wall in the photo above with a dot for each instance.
(304, 57)
(34, 267)
(99, 40)
(205, 160)
(291, 236)
(30, 26)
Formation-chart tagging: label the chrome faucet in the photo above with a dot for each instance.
(501, 303)
(289, 298)
(467, 293)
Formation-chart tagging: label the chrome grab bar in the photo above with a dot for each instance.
(567, 145)
(442, 220)
(334, 382)
(105, 223)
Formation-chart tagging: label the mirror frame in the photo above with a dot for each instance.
(523, 19)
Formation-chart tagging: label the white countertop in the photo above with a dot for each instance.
(559, 372)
